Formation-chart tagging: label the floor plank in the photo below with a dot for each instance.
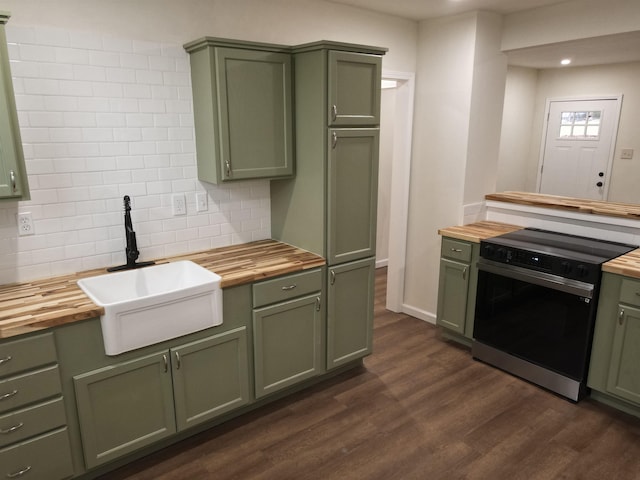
(420, 408)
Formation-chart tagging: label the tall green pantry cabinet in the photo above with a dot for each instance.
(329, 208)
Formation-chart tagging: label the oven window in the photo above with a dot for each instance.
(538, 324)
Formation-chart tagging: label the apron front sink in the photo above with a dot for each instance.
(153, 304)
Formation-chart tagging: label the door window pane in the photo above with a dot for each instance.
(580, 125)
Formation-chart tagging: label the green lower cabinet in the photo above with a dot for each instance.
(624, 367)
(287, 343)
(457, 286)
(46, 457)
(350, 311)
(614, 370)
(124, 407)
(210, 377)
(453, 288)
(127, 406)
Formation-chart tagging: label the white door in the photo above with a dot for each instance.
(577, 150)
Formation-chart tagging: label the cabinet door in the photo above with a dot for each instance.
(13, 181)
(350, 312)
(255, 102)
(124, 407)
(354, 89)
(453, 289)
(287, 343)
(624, 368)
(352, 194)
(210, 377)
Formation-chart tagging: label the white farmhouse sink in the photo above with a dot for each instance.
(153, 304)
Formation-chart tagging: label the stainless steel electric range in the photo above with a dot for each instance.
(536, 305)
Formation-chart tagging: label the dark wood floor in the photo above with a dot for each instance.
(420, 408)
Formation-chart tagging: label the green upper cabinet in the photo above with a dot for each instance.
(243, 110)
(354, 89)
(13, 174)
(352, 194)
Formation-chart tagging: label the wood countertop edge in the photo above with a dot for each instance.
(478, 231)
(579, 205)
(249, 265)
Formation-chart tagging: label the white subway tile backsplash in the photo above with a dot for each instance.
(104, 117)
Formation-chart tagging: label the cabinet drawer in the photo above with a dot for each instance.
(630, 292)
(19, 355)
(47, 457)
(28, 422)
(456, 250)
(285, 288)
(29, 388)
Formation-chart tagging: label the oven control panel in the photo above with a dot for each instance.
(541, 262)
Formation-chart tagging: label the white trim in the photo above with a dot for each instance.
(382, 263)
(399, 196)
(419, 314)
(614, 138)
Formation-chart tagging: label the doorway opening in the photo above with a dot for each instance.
(393, 187)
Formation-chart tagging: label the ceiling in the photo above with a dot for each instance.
(423, 9)
(620, 48)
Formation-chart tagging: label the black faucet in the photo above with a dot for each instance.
(131, 250)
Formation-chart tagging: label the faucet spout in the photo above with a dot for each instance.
(131, 250)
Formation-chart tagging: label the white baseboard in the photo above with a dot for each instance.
(382, 263)
(419, 313)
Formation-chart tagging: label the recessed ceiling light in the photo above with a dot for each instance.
(565, 61)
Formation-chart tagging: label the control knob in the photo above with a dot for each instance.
(582, 271)
(565, 268)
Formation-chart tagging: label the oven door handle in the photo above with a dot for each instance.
(554, 282)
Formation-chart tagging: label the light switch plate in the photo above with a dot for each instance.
(201, 202)
(626, 153)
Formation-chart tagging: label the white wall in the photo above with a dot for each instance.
(104, 104)
(570, 20)
(517, 123)
(441, 125)
(485, 118)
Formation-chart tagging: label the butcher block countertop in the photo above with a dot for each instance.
(37, 305)
(475, 232)
(578, 205)
(628, 264)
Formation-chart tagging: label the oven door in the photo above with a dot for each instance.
(537, 317)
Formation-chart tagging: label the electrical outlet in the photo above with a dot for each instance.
(179, 204)
(201, 202)
(25, 224)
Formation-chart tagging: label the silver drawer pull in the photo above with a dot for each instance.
(318, 304)
(333, 277)
(178, 361)
(12, 179)
(464, 273)
(457, 250)
(8, 395)
(334, 112)
(289, 287)
(19, 473)
(5, 359)
(12, 429)
(621, 316)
